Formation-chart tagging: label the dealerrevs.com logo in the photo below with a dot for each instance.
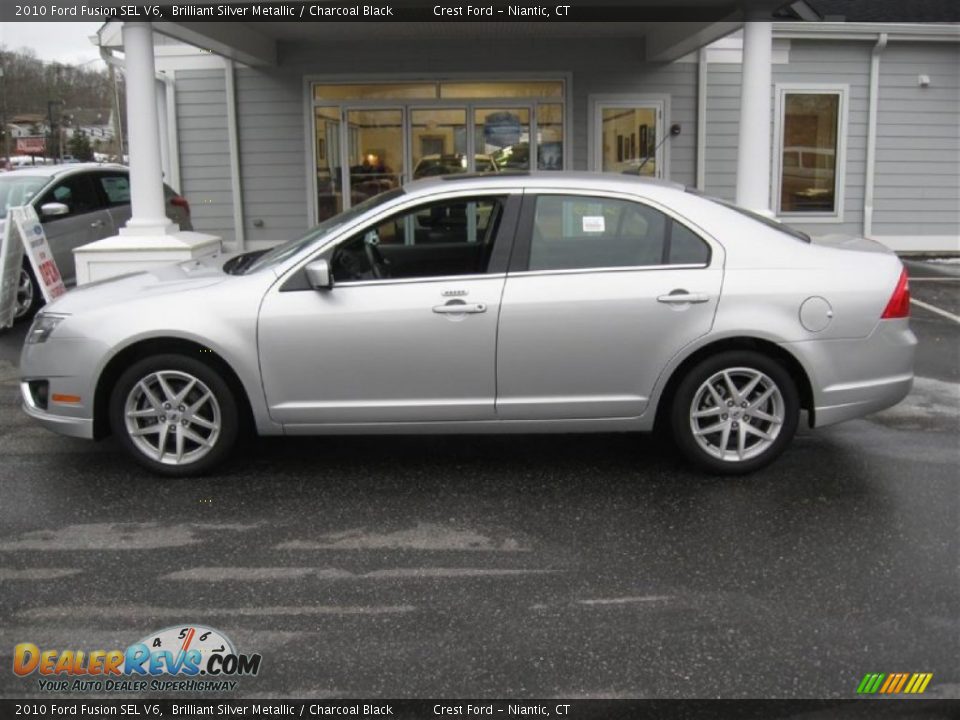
(187, 658)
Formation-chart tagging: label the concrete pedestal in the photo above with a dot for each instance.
(129, 253)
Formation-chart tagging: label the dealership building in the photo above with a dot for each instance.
(269, 127)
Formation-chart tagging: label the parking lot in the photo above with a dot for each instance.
(523, 566)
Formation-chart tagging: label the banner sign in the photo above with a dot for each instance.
(501, 129)
(37, 248)
(34, 145)
(11, 260)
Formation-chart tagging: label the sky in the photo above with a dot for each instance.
(63, 42)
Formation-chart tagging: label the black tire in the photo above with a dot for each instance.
(742, 363)
(223, 411)
(35, 300)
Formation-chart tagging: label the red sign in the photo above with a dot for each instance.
(31, 145)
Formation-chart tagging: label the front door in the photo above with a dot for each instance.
(87, 220)
(607, 291)
(408, 331)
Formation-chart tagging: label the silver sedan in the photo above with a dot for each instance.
(560, 303)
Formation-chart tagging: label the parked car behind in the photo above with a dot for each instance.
(77, 204)
(561, 302)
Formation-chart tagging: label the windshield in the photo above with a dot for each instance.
(289, 249)
(768, 221)
(16, 190)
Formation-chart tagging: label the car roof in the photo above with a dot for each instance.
(573, 181)
(51, 171)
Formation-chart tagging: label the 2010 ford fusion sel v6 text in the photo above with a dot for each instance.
(504, 303)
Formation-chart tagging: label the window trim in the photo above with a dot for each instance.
(842, 90)
(520, 258)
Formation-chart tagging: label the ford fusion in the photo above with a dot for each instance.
(503, 304)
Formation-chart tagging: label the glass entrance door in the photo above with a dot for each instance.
(375, 150)
(438, 141)
(627, 138)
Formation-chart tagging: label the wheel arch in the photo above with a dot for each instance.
(161, 345)
(769, 348)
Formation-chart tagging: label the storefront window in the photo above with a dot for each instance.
(373, 136)
(465, 90)
(808, 166)
(502, 139)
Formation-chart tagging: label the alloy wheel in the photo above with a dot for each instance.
(737, 414)
(172, 417)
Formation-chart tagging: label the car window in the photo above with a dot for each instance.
(450, 237)
(76, 192)
(579, 232)
(116, 188)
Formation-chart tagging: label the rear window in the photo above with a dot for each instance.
(769, 222)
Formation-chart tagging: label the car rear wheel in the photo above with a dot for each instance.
(29, 298)
(175, 415)
(735, 413)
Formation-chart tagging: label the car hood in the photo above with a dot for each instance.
(165, 280)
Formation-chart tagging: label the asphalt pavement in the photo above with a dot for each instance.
(515, 566)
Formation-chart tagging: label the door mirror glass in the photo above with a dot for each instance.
(318, 275)
(53, 209)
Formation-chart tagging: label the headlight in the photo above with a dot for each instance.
(42, 326)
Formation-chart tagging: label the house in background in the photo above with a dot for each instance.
(833, 127)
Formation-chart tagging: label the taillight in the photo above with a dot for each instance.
(899, 305)
(181, 202)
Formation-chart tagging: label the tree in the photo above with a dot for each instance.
(79, 146)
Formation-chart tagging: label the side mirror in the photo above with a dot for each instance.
(53, 209)
(319, 275)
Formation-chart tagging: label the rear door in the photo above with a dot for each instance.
(603, 290)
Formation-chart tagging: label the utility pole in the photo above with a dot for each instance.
(3, 119)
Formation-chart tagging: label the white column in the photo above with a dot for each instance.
(149, 239)
(753, 151)
(143, 132)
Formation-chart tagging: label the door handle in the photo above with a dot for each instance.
(677, 297)
(97, 224)
(457, 308)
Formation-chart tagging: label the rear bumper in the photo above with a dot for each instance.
(64, 425)
(859, 399)
(853, 378)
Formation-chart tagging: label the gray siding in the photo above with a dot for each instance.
(918, 140)
(204, 150)
(917, 186)
(917, 181)
(273, 168)
(845, 63)
(837, 63)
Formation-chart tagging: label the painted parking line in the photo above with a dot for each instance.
(935, 309)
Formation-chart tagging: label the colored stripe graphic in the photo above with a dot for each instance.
(894, 683)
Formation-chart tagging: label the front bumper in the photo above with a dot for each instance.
(65, 425)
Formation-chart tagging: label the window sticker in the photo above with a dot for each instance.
(594, 224)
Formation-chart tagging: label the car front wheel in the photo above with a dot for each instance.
(175, 415)
(735, 413)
